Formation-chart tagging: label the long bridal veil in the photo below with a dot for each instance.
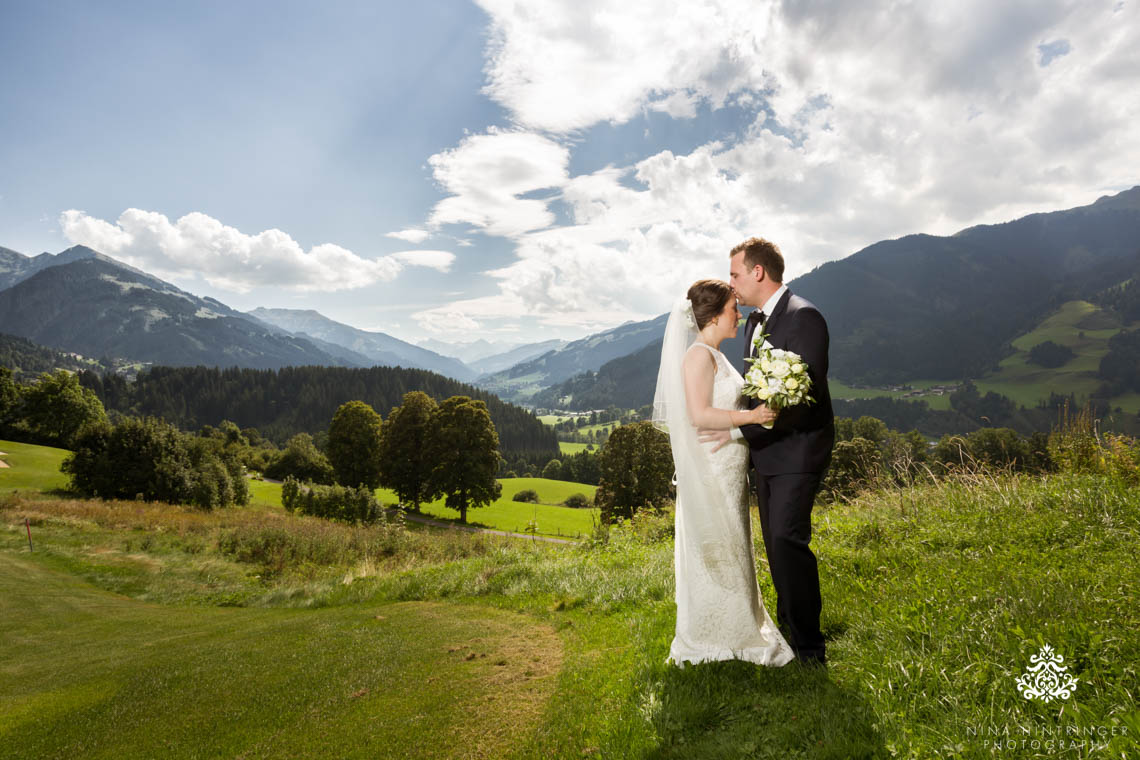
(702, 502)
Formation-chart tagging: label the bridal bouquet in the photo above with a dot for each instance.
(777, 377)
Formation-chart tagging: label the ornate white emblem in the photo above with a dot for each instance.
(1045, 678)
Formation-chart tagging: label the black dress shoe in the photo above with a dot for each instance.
(814, 659)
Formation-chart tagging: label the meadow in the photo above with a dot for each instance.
(548, 516)
(143, 630)
(1079, 325)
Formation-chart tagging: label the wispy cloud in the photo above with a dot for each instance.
(439, 260)
(410, 236)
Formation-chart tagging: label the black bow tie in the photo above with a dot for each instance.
(755, 318)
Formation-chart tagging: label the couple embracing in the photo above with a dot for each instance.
(716, 434)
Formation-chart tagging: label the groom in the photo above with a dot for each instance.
(790, 458)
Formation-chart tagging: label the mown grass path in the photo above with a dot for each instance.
(88, 673)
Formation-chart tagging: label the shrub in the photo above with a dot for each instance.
(855, 465)
(303, 461)
(1050, 354)
(351, 505)
(528, 496)
(1074, 445)
(577, 501)
(148, 459)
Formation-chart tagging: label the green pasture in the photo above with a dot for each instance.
(36, 468)
(31, 467)
(1079, 325)
(573, 448)
(840, 390)
(506, 514)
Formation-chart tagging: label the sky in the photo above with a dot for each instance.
(521, 171)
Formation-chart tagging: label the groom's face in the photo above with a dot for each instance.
(745, 282)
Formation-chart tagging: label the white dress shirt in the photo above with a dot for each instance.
(767, 309)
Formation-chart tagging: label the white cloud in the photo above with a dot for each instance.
(225, 257)
(485, 175)
(438, 260)
(870, 121)
(410, 236)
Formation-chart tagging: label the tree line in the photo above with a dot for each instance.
(423, 451)
(281, 403)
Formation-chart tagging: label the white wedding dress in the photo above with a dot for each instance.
(720, 615)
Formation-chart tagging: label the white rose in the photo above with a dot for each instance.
(791, 383)
(798, 367)
(780, 368)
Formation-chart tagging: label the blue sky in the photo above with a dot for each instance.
(521, 171)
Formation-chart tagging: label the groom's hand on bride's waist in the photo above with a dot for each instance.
(722, 437)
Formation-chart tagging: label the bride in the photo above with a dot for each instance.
(720, 615)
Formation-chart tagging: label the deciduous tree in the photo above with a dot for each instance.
(354, 445)
(636, 471)
(405, 463)
(465, 455)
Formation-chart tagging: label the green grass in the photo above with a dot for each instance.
(840, 390)
(264, 494)
(1028, 383)
(31, 467)
(935, 599)
(509, 515)
(100, 675)
(573, 448)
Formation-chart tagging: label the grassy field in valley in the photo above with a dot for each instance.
(1079, 325)
(147, 630)
(506, 514)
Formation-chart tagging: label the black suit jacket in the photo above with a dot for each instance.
(803, 435)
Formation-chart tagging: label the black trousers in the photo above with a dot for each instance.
(785, 519)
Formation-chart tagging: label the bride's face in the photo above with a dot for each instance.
(726, 321)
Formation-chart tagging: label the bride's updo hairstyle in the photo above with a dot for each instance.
(708, 298)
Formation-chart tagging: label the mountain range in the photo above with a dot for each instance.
(375, 348)
(82, 301)
(921, 307)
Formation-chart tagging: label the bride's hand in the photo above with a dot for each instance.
(762, 415)
(720, 437)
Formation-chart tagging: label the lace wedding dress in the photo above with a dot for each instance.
(720, 615)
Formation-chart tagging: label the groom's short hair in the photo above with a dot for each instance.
(761, 252)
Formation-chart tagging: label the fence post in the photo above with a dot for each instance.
(28, 525)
